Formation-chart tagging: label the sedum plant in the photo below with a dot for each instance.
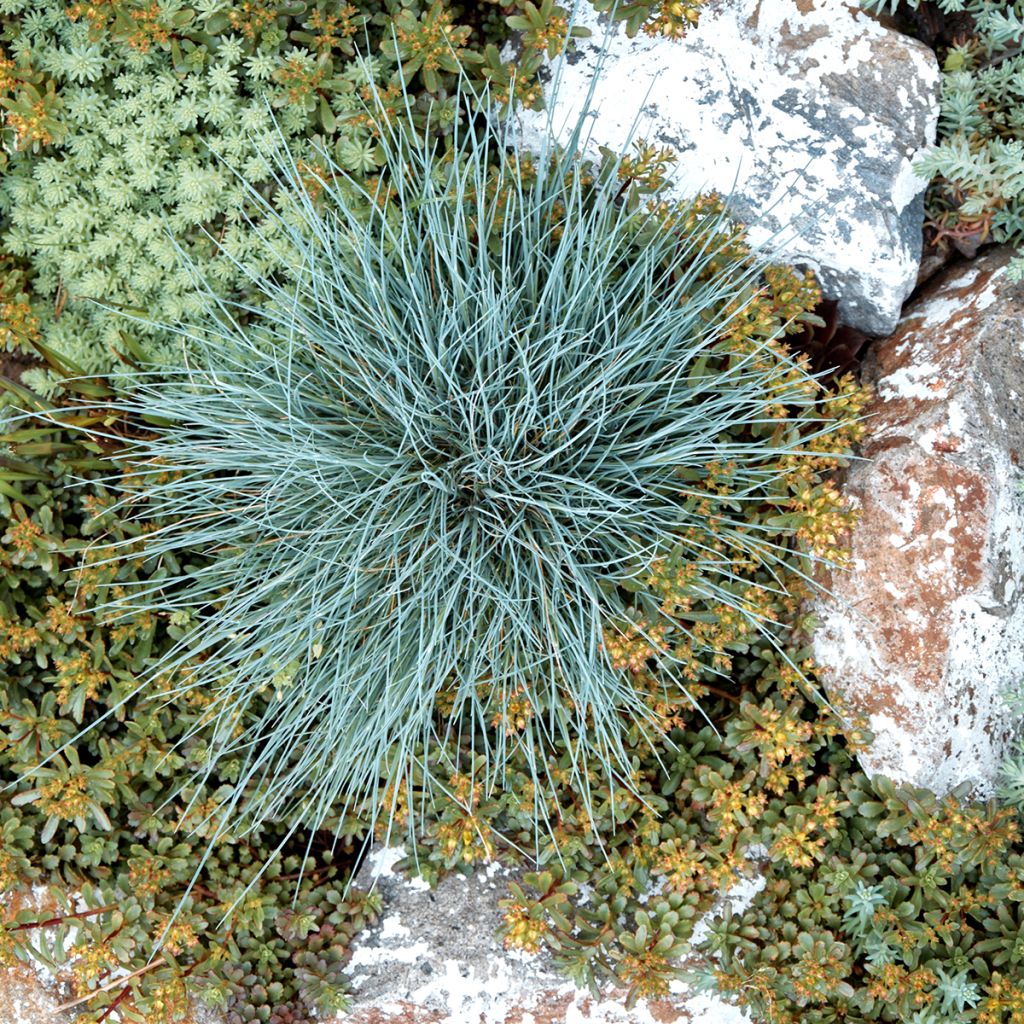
(867, 902)
(514, 462)
(671, 18)
(881, 903)
(978, 163)
(116, 115)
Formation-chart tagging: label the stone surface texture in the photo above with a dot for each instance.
(25, 998)
(927, 631)
(434, 958)
(809, 113)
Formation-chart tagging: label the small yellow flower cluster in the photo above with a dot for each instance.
(798, 845)
(22, 533)
(8, 956)
(549, 39)
(141, 623)
(16, 638)
(330, 29)
(648, 973)
(681, 863)
(515, 714)
(894, 981)
(147, 876)
(827, 521)
(138, 27)
(674, 18)
(178, 937)
(10, 874)
(792, 293)
(779, 736)
(19, 326)
(91, 960)
(631, 647)
(251, 17)
(464, 836)
(524, 930)
(61, 620)
(462, 840)
(8, 78)
(734, 805)
(1003, 1002)
(301, 77)
(379, 103)
(649, 166)
(171, 999)
(432, 41)
(814, 978)
(508, 83)
(65, 797)
(76, 672)
(968, 830)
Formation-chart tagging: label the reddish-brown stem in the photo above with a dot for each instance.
(60, 920)
(721, 693)
(121, 996)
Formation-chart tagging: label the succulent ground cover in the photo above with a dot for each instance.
(880, 904)
(105, 820)
(978, 164)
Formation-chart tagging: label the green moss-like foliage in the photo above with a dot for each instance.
(117, 115)
(104, 825)
(978, 163)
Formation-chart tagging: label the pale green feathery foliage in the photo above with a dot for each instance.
(143, 101)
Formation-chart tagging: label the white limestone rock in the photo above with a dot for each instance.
(435, 958)
(808, 112)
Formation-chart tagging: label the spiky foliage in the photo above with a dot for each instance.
(978, 163)
(103, 826)
(114, 115)
(513, 440)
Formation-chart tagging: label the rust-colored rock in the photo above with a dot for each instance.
(926, 632)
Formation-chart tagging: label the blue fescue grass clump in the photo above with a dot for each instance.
(431, 475)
